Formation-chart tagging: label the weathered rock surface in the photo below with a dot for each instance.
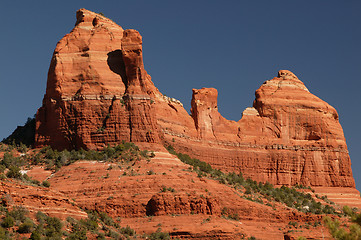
(168, 203)
(98, 93)
(39, 199)
(190, 207)
(289, 136)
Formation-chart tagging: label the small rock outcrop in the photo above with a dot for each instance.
(99, 93)
(168, 203)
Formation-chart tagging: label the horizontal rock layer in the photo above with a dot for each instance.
(99, 93)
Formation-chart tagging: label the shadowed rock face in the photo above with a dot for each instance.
(99, 93)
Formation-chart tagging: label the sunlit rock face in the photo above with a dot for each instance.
(98, 93)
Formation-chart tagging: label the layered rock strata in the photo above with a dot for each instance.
(99, 93)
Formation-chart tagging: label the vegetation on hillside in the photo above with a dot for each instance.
(257, 191)
(23, 135)
(11, 164)
(15, 221)
(345, 232)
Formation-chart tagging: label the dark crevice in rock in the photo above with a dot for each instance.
(108, 114)
(116, 64)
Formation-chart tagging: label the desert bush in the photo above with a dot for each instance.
(10, 160)
(2, 168)
(128, 231)
(41, 217)
(14, 172)
(4, 234)
(101, 236)
(158, 235)
(26, 227)
(53, 227)
(78, 233)
(107, 220)
(8, 222)
(45, 183)
(35, 235)
(18, 213)
(348, 211)
(354, 231)
(89, 224)
(169, 189)
(112, 234)
(233, 216)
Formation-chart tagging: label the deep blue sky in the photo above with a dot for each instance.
(233, 46)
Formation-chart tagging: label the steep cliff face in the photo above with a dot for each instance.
(289, 136)
(99, 93)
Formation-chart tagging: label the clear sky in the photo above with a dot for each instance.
(232, 45)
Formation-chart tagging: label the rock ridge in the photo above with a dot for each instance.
(99, 93)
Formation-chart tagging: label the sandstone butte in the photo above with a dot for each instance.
(99, 93)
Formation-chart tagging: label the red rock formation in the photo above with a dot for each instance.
(97, 90)
(168, 203)
(39, 199)
(289, 136)
(98, 93)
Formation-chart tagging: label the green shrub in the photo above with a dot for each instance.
(35, 182)
(233, 216)
(101, 236)
(14, 172)
(18, 213)
(165, 189)
(107, 220)
(8, 222)
(248, 190)
(41, 217)
(127, 231)
(35, 235)
(10, 160)
(159, 235)
(77, 233)
(45, 183)
(112, 234)
(2, 233)
(89, 224)
(26, 227)
(2, 168)
(348, 211)
(53, 227)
